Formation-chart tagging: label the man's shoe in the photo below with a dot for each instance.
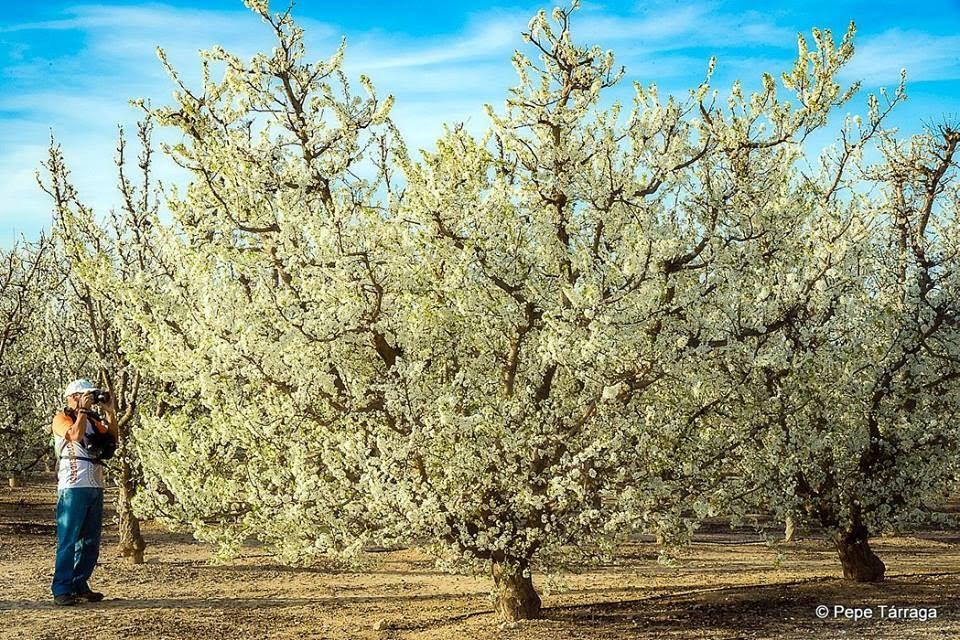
(90, 596)
(65, 599)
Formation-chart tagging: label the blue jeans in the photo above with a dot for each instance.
(79, 520)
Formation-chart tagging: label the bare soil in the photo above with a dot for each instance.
(726, 585)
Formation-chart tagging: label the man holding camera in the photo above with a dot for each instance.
(80, 437)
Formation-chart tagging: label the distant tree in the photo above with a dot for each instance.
(24, 373)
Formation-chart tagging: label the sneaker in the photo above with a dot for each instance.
(90, 596)
(65, 599)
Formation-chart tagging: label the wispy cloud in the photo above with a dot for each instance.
(483, 38)
(926, 57)
(692, 25)
(81, 94)
(144, 20)
(18, 186)
(445, 76)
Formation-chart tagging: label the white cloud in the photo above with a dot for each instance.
(19, 191)
(491, 36)
(82, 97)
(926, 57)
(658, 28)
(443, 78)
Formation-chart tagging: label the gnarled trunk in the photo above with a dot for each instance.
(131, 544)
(516, 597)
(860, 563)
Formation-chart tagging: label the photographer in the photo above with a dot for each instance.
(82, 438)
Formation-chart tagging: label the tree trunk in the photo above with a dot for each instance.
(789, 529)
(14, 482)
(860, 563)
(516, 597)
(131, 544)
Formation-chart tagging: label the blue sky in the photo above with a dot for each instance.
(70, 67)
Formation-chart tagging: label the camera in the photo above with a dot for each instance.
(100, 396)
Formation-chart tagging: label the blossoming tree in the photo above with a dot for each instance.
(577, 290)
(516, 352)
(858, 408)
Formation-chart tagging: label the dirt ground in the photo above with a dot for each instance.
(726, 585)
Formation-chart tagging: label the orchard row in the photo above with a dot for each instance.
(590, 321)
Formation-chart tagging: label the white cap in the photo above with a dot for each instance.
(79, 386)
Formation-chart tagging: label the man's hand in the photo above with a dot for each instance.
(86, 400)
